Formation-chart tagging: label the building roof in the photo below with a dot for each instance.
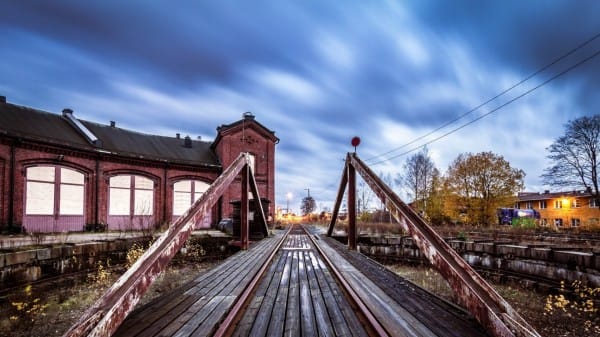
(547, 195)
(36, 125)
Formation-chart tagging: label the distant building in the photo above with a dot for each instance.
(60, 173)
(562, 209)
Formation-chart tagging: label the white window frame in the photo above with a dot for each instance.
(543, 204)
(558, 204)
(187, 195)
(130, 195)
(575, 222)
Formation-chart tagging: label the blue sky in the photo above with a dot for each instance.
(315, 72)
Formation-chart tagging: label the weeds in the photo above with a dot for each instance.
(135, 252)
(26, 309)
(102, 276)
(581, 304)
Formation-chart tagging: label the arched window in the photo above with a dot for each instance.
(54, 199)
(185, 192)
(130, 202)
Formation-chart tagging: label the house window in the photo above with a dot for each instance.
(575, 222)
(575, 203)
(543, 204)
(594, 203)
(557, 204)
(517, 205)
(43, 183)
(529, 205)
(544, 222)
(558, 222)
(185, 192)
(131, 195)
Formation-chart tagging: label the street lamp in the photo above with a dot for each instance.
(288, 196)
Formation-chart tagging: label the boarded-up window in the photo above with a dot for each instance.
(42, 185)
(143, 196)
(125, 189)
(185, 192)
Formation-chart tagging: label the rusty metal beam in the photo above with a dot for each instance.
(258, 207)
(244, 236)
(351, 208)
(473, 292)
(338, 199)
(104, 317)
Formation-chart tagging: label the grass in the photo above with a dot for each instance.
(575, 316)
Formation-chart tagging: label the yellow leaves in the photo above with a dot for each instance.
(28, 308)
(582, 303)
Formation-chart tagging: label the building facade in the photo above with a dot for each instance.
(59, 173)
(563, 209)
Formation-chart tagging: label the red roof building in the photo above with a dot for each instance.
(60, 173)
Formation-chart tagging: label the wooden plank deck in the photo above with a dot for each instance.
(196, 308)
(299, 297)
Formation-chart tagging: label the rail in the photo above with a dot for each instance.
(107, 313)
(473, 292)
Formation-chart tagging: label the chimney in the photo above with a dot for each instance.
(2, 99)
(199, 137)
(67, 111)
(178, 136)
(187, 142)
(248, 115)
(113, 124)
(547, 192)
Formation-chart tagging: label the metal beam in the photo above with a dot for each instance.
(258, 207)
(351, 208)
(104, 317)
(472, 291)
(338, 199)
(244, 237)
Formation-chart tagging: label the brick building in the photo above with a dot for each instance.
(59, 173)
(563, 209)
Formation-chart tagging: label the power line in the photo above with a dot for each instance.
(486, 102)
(495, 109)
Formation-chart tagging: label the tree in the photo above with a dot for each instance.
(481, 183)
(418, 174)
(575, 156)
(308, 205)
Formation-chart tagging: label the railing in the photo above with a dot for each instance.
(104, 317)
(473, 292)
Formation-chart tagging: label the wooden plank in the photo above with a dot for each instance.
(341, 325)
(323, 322)
(307, 316)
(292, 317)
(263, 317)
(245, 324)
(277, 321)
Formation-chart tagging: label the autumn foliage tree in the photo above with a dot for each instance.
(479, 184)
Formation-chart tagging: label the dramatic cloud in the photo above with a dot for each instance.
(317, 73)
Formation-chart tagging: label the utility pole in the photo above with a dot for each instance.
(308, 191)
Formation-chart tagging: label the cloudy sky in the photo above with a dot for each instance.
(317, 73)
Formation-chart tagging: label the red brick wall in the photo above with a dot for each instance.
(29, 154)
(248, 139)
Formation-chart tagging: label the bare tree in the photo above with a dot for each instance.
(418, 174)
(575, 156)
(308, 205)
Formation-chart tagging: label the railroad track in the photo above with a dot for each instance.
(299, 246)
